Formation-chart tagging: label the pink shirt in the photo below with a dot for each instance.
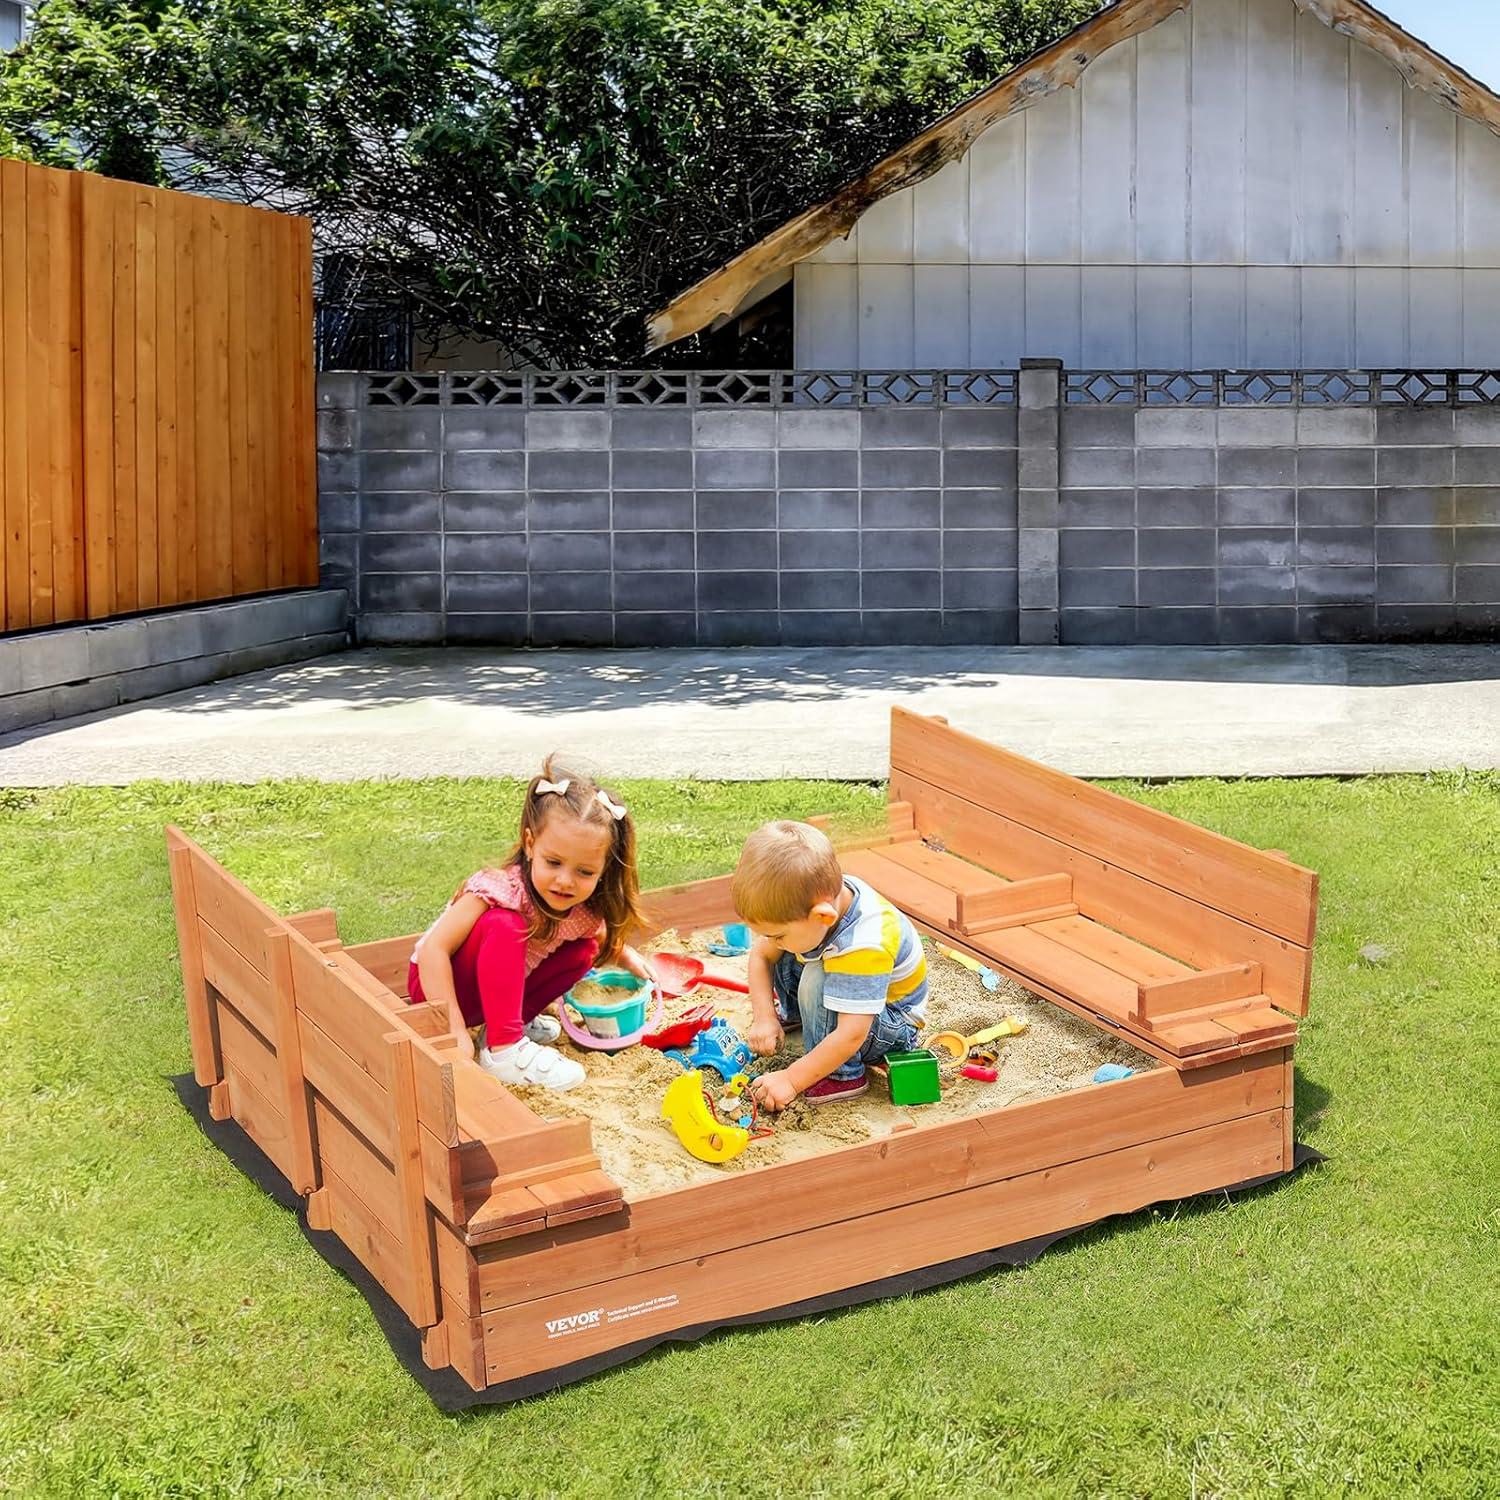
(507, 887)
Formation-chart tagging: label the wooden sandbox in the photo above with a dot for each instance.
(500, 1238)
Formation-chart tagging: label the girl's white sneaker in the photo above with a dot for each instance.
(543, 1029)
(526, 1064)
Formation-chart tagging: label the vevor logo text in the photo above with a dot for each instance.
(556, 1327)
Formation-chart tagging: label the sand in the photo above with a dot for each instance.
(622, 1095)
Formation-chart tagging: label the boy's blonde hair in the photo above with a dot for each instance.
(785, 869)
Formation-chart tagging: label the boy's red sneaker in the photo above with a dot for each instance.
(827, 1090)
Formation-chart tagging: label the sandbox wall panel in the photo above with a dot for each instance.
(855, 1251)
(1222, 873)
(1152, 914)
(234, 977)
(908, 1167)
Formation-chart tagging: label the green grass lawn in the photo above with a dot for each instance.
(164, 1329)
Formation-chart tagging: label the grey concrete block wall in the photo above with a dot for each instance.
(1039, 519)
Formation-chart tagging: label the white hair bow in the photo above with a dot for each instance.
(560, 787)
(613, 808)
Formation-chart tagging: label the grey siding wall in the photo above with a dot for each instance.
(916, 512)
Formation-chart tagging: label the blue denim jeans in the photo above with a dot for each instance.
(798, 989)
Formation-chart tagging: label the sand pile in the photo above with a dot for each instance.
(623, 1093)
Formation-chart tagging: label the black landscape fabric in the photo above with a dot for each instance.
(450, 1393)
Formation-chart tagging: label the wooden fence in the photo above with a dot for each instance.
(156, 398)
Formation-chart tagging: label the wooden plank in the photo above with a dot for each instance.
(387, 961)
(945, 869)
(15, 419)
(415, 1234)
(504, 1215)
(916, 1165)
(247, 572)
(1039, 957)
(45, 404)
(361, 978)
(148, 593)
(343, 1150)
(317, 926)
(688, 908)
(258, 290)
(66, 399)
(442, 1178)
(256, 1116)
(756, 1278)
(458, 1272)
(1219, 872)
(187, 248)
(1185, 928)
(579, 1190)
(212, 457)
(298, 1104)
(345, 1086)
(900, 818)
(123, 479)
(168, 552)
(1161, 998)
(202, 1036)
(1188, 1037)
(1112, 949)
(554, 1149)
(255, 1058)
(430, 1021)
(348, 1017)
(96, 270)
(905, 888)
(1289, 1121)
(303, 430)
(237, 981)
(279, 499)
(378, 1250)
(465, 1344)
(980, 910)
(241, 918)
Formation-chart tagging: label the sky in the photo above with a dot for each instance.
(1464, 31)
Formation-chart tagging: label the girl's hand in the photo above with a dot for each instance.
(463, 1043)
(632, 961)
(773, 1090)
(765, 1037)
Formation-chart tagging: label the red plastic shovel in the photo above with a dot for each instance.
(677, 973)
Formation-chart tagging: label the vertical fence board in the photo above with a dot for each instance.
(156, 398)
(13, 357)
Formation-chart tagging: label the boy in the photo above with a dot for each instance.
(831, 955)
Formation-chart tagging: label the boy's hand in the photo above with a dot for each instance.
(773, 1090)
(765, 1036)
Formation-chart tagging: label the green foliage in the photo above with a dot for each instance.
(543, 172)
(166, 1330)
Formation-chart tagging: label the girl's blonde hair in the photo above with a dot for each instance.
(617, 896)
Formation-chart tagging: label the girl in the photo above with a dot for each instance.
(513, 939)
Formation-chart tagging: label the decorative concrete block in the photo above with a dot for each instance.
(1036, 469)
(1175, 547)
(805, 510)
(400, 552)
(903, 588)
(1477, 466)
(338, 471)
(1414, 506)
(1039, 384)
(737, 549)
(552, 592)
(405, 510)
(825, 427)
(823, 588)
(656, 629)
(1175, 468)
(820, 627)
(1257, 427)
(633, 428)
(901, 549)
(1414, 426)
(1102, 547)
(979, 427)
(1415, 584)
(569, 430)
(485, 511)
(819, 549)
(584, 510)
(401, 427)
(399, 593)
(1257, 586)
(1335, 466)
(1335, 585)
(982, 468)
(1417, 622)
(414, 629)
(653, 469)
(338, 560)
(1096, 507)
(381, 471)
(570, 551)
(661, 550)
(1176, 427)
(176, 636)
(1197, 507)
(1096, 588)
(581, 628)
(980, 549)
(817, 468)
(486, 593)
(656, 510)
(983, 627)
(1260, 547)
(1477, 506)
(1251, 507)
(1176, 586)
(1336, 507)
(983, 508)
(1476, 584)
(734, 468)
(1414, 544)
(900, 468)
(739, 627)
(899, 427)
(900, 510)
(738, 590)
(486, 629)
(739, 510)
(1335, 426)
(562, 470)
(734, 429)
(904, 627)
(1257, 466)
(1406, 466)
(341, 388)
(1096, 468)
(120, 646)
(1477, 544)
(485, 552)
(1327, 623)
(1257, 626)
(1089, 627)
(338, 510)
(1082, 426)
(1038, 508)
(656, 591)
(1165, 625)
(1477, 427)
(469, 428)
(337, 430)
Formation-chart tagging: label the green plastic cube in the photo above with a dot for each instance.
(913, 1077)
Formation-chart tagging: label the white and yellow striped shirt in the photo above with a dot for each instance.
(872, 958)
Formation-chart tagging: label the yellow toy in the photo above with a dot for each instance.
(958, 1046)
(686, 1107)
